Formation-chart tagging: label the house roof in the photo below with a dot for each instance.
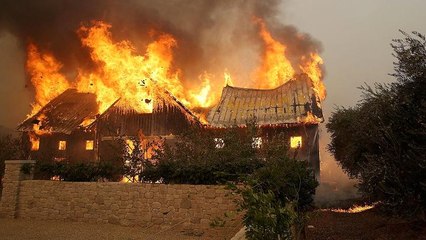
(69, 110)
(290, 103)
(64, 113)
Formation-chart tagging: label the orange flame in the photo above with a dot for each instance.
(355, 209)
(45, 77)
(138, 77)
(276, 69)
(312, 67)
(35, 141)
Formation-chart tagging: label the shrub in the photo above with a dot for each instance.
(78, 172)
(276, 198)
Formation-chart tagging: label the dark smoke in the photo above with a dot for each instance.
(211, 35)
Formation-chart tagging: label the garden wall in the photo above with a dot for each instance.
(192, 207)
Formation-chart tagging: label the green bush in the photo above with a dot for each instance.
(276, 198)
(78, 172)
(194, 158)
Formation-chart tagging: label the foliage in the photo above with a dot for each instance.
(78, 172)
(194, 159)
(382, 140)
(276, 198)
(276, 191)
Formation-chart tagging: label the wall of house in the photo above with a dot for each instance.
(185, 207)
(75, 147)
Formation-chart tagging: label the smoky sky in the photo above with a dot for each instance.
(211, 35)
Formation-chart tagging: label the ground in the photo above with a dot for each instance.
(324, 225)
(18, 229)
(368, 225)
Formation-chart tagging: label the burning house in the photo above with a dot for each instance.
(137, 88)
(292, 109)
(70, 128)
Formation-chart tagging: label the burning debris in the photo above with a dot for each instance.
(354, 209)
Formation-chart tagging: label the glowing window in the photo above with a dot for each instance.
(62, 145)
(89, 145)
(257, 142)
(35, 144)
(219, 143)
(296, 142)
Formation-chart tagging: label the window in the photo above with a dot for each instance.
(257, 142)
(296, 142)
(62, 145)
(89, 144)
(219, 143)
(35, 144)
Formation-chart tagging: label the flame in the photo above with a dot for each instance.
(136, 77)
(312, 67)
(204, 97)
(276, 69)
(45, 77)
(34, 140)
(228, 78)
(354, 209)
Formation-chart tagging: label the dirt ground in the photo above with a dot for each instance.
(368, 225)
(17, 229)
(324, 225)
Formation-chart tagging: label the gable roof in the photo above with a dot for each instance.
(290, 103)
(69, 110)
(64, 113)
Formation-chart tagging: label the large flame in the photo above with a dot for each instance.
(45, 77)
(139, 77)
(276, 69)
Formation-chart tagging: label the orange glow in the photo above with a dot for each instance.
(45, 77)
(228, 78)
(139, 77)
(35, 141)
(296, 142)
(62, 145)
(276, 69)
(89, 144)
(312, 67)
(355, 209)
(203, 97)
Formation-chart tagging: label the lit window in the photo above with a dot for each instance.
(35, 143)
(89, 145)
(296, 142)
(257, 142)
(219, 143)
(62, 145)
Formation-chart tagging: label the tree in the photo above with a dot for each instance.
(382, 140)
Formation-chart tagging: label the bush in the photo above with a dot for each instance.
(194, 158)
(78, 172)
(276, 198)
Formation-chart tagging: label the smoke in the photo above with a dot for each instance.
(336, 189)
(212, 35)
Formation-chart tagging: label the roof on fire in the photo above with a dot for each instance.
(69, 110)
(290, 103)
(64, 113)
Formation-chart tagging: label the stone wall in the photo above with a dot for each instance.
(11, 187)
(196, 207)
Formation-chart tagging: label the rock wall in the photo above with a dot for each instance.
(194, 207)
